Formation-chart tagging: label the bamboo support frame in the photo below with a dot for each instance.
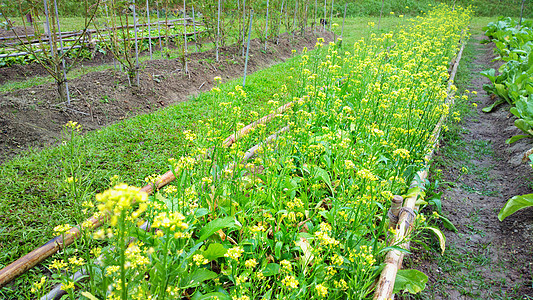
(36, 256)
(394, 258)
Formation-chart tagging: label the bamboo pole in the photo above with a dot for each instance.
(394, 258)
(331, 15)
(344, 19)
(243, 24)
(381, 13)
(149, 29)
(218, 30)
(266, 27)
(325, 14)
(248, 47)
(185, 39)
(245, 130)
(62, 53)
(159, 29)
(316, 12)
(194, 29)
(279, 24)
(136, 44)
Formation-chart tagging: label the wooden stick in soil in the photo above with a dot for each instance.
(248, 47)
(394, 258)
(159, 29)
(331, 15)
(243, 24)
(343, 20)
(62, 54)
(149, 30)
(381, 13)
(316, 12)
(194, 28)
(266, 27)
(36, 256)
(218, 30)
(325, 13)
(136, 45)
(521, 14)
(279, 24)
(185, 39)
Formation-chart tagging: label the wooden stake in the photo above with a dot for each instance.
(149, 29)
(159, 30)
(266, 27)
(136, 45)
(185, 37)
(331, 15)
(279, 25)
(194, 28)
(381, 13)
(218, 29)
(62, 53)
(248, 47)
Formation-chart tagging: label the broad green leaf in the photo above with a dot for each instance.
(210, 296)
(436, 201)
(514, 204)
(307, 251)
(215, 226)
(516, 138)
(197, 278)
(277, 249)
(387, 249)
(214, 251)
(440, 235)
(447, 223)
(323, 174)
(522, 125)
(412, 281)
(515, 111)
(492, 106)
(89, 296)
(271, 269)
(490, 74)
(200, 212)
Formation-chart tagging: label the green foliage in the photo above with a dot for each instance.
(514, 45)
(410, 280)
(514, 204)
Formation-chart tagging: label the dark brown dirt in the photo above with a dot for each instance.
(34, 117)
(15, 31)
(486, 258)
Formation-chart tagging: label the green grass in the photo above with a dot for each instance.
(33, 197)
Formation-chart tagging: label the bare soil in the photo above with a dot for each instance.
(486, 258)
(34, 117)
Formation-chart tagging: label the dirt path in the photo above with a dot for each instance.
(479, 172)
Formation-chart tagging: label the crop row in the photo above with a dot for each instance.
(305, 216)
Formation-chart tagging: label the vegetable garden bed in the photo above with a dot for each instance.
(306, 218)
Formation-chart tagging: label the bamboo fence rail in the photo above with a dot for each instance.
(394, 258)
